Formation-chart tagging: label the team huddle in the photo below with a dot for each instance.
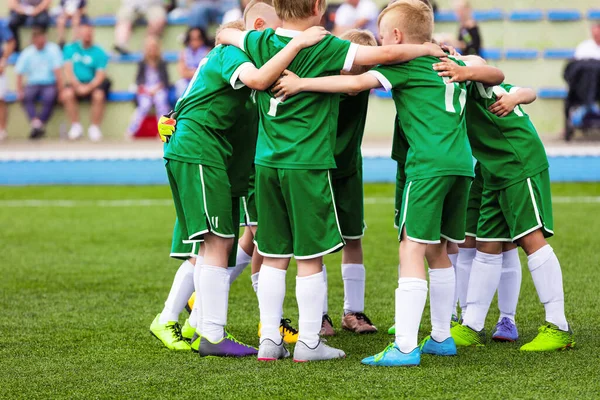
(268, 136)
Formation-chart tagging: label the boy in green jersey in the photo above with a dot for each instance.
(516, 206)
(439, 170)
(295, 151)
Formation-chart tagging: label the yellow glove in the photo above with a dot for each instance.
(166, 127)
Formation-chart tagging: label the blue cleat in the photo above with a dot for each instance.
(506, 331)
(431, 346)
(391, 356)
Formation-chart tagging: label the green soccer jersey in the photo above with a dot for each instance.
(431, 115)
(509, 148)
(350, 130)
(399, 144)
(209, 108)
(300, 132)
(244, 148)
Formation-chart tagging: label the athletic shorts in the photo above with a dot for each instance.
(474, 205)
(150, 13)
(513, 212)
(296, 213)
(3, 87)
(203, 202)
(349, 204)
(181, 247)
(248, 214)
(400, 184)
(435, 209)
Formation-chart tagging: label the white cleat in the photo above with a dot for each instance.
(322, 352)
(268, 350)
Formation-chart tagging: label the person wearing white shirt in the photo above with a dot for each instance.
(590, 49)
(356, 14)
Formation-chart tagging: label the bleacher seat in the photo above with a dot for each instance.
(559, 53)
(526, 15)
(593, 14)
(552, 93)
(564, 15)
(520, 54)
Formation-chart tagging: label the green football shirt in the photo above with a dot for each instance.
(244, 148)
(399, 143)
(209, 108)
(508, 148)
(300, 132)
(350, 131)
(431, 115)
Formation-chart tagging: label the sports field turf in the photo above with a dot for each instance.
(81, 280)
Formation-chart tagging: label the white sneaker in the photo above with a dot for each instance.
(322, 352)
(268, 350)
(75, 132)
(94, 133)
(3, 135)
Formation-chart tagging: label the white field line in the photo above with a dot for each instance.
(38, 203)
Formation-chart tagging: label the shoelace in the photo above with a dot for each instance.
(230, 337)
(363, 317)
(379, 356)
(506, 324)
(176, 329)
(287, 327)
(328, 319)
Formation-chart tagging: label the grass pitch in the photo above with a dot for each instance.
(82, 279)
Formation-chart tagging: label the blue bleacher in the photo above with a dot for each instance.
(520, 54)
(552, 93)
(526, 15)
(564, 15)
(559, 54)
(593, 14)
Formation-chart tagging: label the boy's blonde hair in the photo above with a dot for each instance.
(253, 3)
(239, 25)
(362, 38)
(297, 9)
(413, 16)
(423, 1)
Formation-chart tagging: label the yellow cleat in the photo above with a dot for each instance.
(288, 333)
(190, 304)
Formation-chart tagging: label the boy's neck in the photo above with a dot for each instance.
(299, 25)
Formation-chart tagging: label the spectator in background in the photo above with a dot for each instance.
(41, 66)
(71, 10)
(152, 10)
(152, 85)
(469, 39)
(7, 46)
(23, 12)
(85, 72)
(235, 13)
(356, 14)
(590, 49)
(205, 12)
(190, 57)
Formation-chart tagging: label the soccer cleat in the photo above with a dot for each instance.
(187, 330)
(465, 336)
(195, 342)
(190, 303)
(550, 338)
(455, 320)
(358, 323)
(391, 356)
(327, 326)
(268, 350)
(289, 334)
(321, 352)
(226, 347)
(169, 334)
(392, 330)
(506, 331)
(433, 347)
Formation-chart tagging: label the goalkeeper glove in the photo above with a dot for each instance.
(166, 126)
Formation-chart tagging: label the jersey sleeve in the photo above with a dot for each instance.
(390, 76)
(233, 62)
(250, 44)
(340, 54)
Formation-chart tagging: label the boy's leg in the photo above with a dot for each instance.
(452, 250)
(464, 263)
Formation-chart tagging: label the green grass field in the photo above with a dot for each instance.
(80, 282)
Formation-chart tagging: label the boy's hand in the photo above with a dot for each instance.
(451, 50)
(166, 127)
(450, 69)
(310, 37)
(288, 85)
(504, 105)
(434, 50)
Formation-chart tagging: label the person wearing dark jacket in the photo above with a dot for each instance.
(152, 85)
(469, 38)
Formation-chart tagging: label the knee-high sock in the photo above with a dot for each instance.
(271, 293)
(310, 291)
(181, 290)
(454, 259)
(214, 291)
(254, 279)
(326, 297)
(463, 273)
(510, 284)
(354, 287)
(196, 321)
(442, 286)
(411, 296)
(547, 278)
(242, 260)
(483, 283)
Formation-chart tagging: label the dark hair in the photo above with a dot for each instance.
(39, 29)
(86, 21)
(188, 35)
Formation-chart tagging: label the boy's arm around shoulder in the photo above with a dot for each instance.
(394, 54)
(476, 70)
(290, 84)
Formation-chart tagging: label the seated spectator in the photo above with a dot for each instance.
(71, 10)
(85, 72)
(590, 49)
(356, 14)
(152, 10)
(41, 66)
(235, 13)
(7, 46)
(206, 12)
(34, 12)
(152, 85)
(469, 39)
(190, 57)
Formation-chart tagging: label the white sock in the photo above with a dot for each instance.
(181, 290)
(326, 298)
(463, 272)
(271, 293)
(411, 296)
(354, 287)
(310, 291)
(254, 279)
(442, 286)
(454, 260)
(510, 284)
(241, 262)
(198, 300)
(214, 291)
(547, 278)
(483, 283)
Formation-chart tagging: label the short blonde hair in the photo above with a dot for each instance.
(297, 9)
(413, 16)
(423, 1)
(239, 25)
(253, 3)
(363, 38)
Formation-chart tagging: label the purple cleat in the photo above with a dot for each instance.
(226, 347)
(506, 331)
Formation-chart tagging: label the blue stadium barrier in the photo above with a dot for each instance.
(564, 15)
(445, 16)
(526, 15)
(491, 54)
(520, 54)
(552, 93)
(554, 54)
(488, 15)
(593, 14)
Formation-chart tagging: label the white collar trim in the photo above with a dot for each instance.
(287, 32)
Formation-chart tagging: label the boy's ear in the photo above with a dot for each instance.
(398, 36)
(259, 24)
(317, 7)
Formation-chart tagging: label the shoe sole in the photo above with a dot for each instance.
(360, 333)
(267, 359)
(503, 339)
(306, 361)
(568, 347)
